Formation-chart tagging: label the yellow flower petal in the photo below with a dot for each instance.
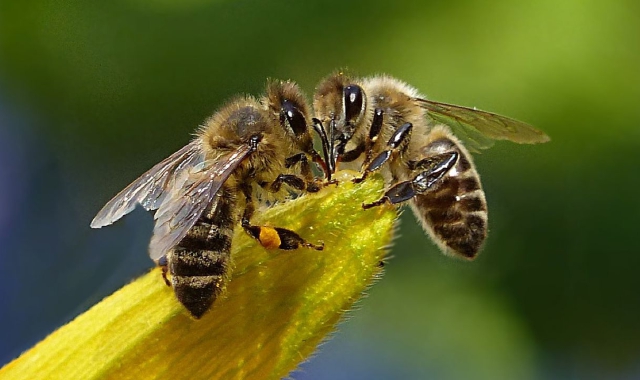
(278, 306)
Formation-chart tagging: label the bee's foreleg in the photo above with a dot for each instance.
(397, 143)
(374, 132)
(309, 183)
(300, 158)
(353, 154)
(290, 179)
(435, 167)
(365, 146)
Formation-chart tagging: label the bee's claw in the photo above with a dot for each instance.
(379, 202)
(318, 247)
(332, 182)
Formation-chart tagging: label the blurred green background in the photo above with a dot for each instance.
(94, 93)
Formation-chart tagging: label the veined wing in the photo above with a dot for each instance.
(183, 206)
(478, 129)
(151, 188)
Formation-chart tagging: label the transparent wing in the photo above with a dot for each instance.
(478, 129)
(184, 205)
(151, 188)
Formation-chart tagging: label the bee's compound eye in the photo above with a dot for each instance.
(291, 116)
(353, 102)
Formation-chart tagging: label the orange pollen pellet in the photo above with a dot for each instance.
(269, 238)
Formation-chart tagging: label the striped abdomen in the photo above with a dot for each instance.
(199, 264)
(454, 212)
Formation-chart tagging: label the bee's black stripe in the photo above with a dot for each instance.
(471, 203)
(440, 200)
(476, 223)
(462, 238)
(463, 164)
(442, 216)
(469, 184)
(200, 263)
(455, 211)
(197, 293)
(206, 237)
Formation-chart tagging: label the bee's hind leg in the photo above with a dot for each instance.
(433, 169)
(273, 237)
(163, 264)
(279, 238)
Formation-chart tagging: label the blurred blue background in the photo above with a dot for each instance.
(93, 93)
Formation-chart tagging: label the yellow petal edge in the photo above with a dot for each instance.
(277, 308)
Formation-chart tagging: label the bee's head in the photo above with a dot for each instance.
(340, 104)
(289, 109)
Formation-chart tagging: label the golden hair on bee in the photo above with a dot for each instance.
(381, 124)
(202, 191)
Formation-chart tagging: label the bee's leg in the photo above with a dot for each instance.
(367, 145)
(290, 179)
(364, 146)
(328, 171)
(164, 265)
(309, 183)
(300, 158)
(353, 154)
(374, 131)
(437, 162)
(397, 143)
(272, 237)
(434, 168)
(280, 238)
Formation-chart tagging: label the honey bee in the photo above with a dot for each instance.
(383, 124)
(203, 190)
